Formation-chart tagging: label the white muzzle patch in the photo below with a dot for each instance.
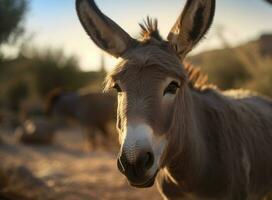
(140, 137)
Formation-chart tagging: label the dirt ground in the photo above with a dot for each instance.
(65, 171)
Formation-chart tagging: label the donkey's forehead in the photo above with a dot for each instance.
(152, 58)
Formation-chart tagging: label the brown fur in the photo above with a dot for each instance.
(224, 128)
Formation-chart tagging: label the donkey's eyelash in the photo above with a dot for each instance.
(174, 83)
(171, 88)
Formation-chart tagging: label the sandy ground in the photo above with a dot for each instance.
(67, 171)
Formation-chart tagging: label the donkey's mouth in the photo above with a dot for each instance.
(149, 183)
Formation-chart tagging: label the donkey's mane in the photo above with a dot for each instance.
(197, 80)
(149, 29)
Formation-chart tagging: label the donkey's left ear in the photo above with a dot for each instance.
(191, 25)
(103, 31)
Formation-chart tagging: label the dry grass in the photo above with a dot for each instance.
(69, 172)
(244, 66)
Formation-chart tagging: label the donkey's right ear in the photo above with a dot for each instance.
(192, 25)
(103, 31)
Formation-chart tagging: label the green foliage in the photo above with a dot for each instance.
(34, 75)
(52, 69)
(11, 15)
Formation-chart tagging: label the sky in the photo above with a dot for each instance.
(54, 24)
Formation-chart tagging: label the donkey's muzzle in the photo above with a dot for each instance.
(136, 171)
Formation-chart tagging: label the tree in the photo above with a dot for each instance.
(12, 13)
(269, 1)
(53, 69)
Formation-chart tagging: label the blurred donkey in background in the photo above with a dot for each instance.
(93, 111)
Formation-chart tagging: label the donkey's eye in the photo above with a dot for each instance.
(171, 88)
(117, 87)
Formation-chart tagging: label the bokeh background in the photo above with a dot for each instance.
(43, 48)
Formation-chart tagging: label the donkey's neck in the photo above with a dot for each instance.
(195, 162)
(191, 159)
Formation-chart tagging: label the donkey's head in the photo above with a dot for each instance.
(150, 81)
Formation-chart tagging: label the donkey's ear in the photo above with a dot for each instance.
(191, 25)
(103, 31)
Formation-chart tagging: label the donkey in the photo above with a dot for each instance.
(195, 141)
(93, 111)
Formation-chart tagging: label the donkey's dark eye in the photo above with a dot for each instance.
(171, 88)
(117, 87)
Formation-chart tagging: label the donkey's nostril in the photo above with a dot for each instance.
(135, 171)
(150, 160)
(146, 160)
